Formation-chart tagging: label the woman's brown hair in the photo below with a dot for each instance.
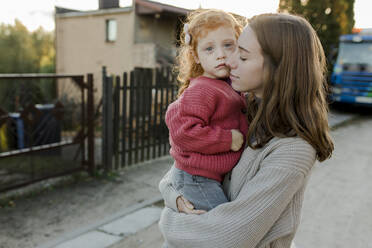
(294, 94)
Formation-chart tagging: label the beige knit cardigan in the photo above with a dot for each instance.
(265, 190)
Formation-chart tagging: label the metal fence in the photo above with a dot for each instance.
(44, 135)
(134, 106)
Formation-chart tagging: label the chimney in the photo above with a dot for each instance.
(108, 4)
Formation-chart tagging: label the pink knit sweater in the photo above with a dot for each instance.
(200, 123)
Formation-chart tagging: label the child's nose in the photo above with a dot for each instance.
(220, 53)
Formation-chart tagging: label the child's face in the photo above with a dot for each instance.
(214, 49)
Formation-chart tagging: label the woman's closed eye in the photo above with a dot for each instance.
(243, 58)
(229, 45)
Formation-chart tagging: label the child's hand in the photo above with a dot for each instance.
(237, 140)
(184, 206)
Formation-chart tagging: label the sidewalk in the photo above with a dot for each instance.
(135, 226)
(141, 181)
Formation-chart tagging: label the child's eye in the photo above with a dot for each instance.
(228, 45)
(209, 49)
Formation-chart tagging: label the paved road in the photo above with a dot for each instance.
(338, 200)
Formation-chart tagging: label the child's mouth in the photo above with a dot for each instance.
(221, 66)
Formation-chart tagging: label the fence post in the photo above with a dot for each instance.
(116, 121)
(107, 141)
(91, 164)
(104, 106)
(124, 132)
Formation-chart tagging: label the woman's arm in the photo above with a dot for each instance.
(246, 220)
(174, 199)
(169, 193)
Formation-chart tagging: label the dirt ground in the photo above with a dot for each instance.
(41, 217)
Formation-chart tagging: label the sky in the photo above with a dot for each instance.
(36, 13)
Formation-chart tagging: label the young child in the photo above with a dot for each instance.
(207, 123)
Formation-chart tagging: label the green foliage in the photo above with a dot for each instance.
(106, 175)
(25, 52)
(329, 18)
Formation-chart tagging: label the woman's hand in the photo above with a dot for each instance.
(184, 206)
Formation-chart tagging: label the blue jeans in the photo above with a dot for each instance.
(204, 193)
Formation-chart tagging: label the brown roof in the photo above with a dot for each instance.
(150, 7)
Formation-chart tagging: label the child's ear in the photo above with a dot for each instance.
(195, 56)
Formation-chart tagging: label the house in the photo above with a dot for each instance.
(141, 35)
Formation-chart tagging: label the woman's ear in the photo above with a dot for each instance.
(195, 56)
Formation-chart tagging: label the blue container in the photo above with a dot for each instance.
(48, 129)
(19, 129)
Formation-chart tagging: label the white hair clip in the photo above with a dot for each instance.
(187, 35)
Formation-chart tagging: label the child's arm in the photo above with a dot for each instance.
(189, 124)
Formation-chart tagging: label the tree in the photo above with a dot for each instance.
(330, 18)
(43, 44)
(16, 49)
(25, 52)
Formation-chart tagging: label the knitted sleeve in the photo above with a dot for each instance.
(244, 221)
(190, 128)
(169, 193)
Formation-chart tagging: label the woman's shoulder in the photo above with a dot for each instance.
(284, 144)
(294, 152)
(284, 147)
(290, 142)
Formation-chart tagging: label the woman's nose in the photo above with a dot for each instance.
(231, 61)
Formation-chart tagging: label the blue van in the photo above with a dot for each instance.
(351, 79)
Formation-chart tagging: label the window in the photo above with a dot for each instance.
(355, 53)
(111, 30)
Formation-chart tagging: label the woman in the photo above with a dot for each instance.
(281, 63)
